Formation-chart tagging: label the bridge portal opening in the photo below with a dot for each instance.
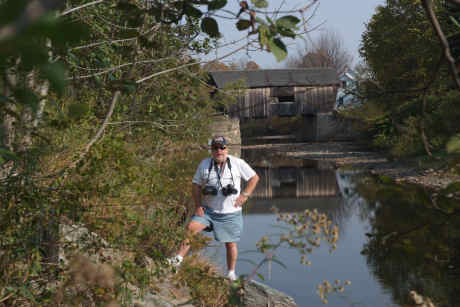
(284, 94)
(286, 105)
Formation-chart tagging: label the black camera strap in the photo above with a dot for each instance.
(230, 168)
(217, 171)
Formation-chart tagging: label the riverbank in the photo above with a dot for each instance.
(434, 174)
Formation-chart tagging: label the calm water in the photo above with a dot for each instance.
(377, 278)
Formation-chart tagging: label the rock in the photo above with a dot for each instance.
(151, 300)
(257, 294)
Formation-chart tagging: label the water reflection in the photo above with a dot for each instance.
(414, 242)
(293, 185)
(298, 182)
(393, 238)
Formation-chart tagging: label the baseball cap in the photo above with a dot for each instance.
(218, 140)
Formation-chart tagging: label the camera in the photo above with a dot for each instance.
(209, 190)
(229, 189)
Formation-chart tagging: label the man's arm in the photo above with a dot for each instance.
(196, 193)
(252, 182)
(243, 197)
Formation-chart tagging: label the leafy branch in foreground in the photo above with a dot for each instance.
(304, 231)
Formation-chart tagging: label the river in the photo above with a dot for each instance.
(387, 245)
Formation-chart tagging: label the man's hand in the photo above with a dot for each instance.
(240, 200)
(199, 211)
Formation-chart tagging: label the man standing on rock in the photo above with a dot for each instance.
(216, 190)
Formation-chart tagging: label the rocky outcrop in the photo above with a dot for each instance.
(257, 294)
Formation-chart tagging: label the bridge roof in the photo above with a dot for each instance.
(277, 77)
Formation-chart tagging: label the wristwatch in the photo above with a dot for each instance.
(245, 194)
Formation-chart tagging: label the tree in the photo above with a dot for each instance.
(326, 51)
(244, 64)
(406, 65)
(215, 66)
(99, 101)
(251, 65)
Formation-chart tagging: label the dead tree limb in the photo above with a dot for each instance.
(428, 6)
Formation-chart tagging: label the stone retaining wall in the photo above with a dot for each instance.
(230, 129)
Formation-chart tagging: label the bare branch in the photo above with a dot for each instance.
(81, 7)
(116, 68)
(104, 42)
(6, 297)
(428, 6)
(115, 98)
(187, 65)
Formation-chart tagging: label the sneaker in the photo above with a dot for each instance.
(232, 276)
(174, 261)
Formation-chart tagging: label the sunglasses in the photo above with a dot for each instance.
(219, 147)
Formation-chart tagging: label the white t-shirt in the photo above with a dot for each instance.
(220, 203)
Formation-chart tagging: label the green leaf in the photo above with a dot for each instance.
(78, 110)
(260, 20)
(32, 55)
(287, 33)
(270, 21)
(55, 73)
(454, 21)
(287, 21)
(243, 24)
(192, 11)
(260, 3)
(209, 26)
(6, 155)
(278, 48)
(263, 35)
(260, 276)
(11, 10)
(128, 7)
(453, 145)
(216, 5)
(27, 97)
(129, 87)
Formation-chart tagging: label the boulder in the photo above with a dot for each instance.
(257, 294)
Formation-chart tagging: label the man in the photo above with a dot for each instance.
(216, 190)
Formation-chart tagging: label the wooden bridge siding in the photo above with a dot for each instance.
(314, 100)
(264, 187)
(255, 102)
(309, 183)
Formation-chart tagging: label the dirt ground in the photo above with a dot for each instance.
(351, 155)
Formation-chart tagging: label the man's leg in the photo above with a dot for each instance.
(193, 228)
(232, 255)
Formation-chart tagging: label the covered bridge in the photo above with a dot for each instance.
(279, 92)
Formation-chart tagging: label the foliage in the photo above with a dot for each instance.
(326, 288)
(406, 84)
(102, 109)
(207, 287)
(305, 231)
(401, 56)
(325, 51)
(454, 144)
(413, 233)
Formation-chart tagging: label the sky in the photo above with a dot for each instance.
(345, 17)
